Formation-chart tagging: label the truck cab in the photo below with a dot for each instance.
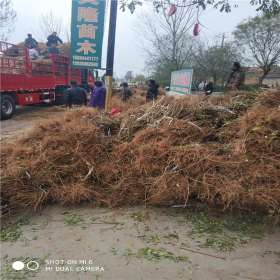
(88, 77)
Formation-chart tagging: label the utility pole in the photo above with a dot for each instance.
(223, 38)
(110, 53)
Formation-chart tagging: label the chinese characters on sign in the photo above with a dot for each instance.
(87, 25)
(28, 99)
(181, 81)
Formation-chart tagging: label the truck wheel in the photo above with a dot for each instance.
(8, 107)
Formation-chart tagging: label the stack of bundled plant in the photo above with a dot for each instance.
(153, 153)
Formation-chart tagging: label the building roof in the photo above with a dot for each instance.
(255, 69)
(274, 74)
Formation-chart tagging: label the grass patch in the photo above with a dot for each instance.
(11, 232)
(244, 227)
(73, 219)
(154, 255)
(10, 274)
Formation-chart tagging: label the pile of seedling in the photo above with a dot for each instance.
(19, 61)
(222, 151)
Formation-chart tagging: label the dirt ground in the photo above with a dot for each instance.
(128, 243)
(117, 242)
(24, 119)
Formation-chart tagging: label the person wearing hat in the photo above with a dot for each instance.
(236, 78)
(30, 42)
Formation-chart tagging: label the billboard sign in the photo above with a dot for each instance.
(181, 81)
(87, 24)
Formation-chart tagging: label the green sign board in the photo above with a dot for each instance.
(87, 25)
(181, 81)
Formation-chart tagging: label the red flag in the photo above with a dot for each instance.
(195, 30)
(172, 10)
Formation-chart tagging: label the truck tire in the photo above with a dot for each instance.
(8, 107)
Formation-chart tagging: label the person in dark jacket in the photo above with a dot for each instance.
(75, 95)
(98, 94)
(53, 39)
(53, 49)
(209, 88)
(152, 91)
(126, 92)
(30, 42)
(236, 78)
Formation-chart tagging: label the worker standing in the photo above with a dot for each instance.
(75, 95)
(152, 91)
(236, 78)
(98, 94)
(127, 93)
(209, 88)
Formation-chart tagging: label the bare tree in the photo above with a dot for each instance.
(67, 30)
(8, 19)
(260, 37)
(165, 40)
(160, 36)
(213, 60)
(48, 24)
(199, 74)
(128, 75)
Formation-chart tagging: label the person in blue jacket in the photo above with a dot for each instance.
(53, 49)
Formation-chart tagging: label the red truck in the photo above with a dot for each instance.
(39, 82)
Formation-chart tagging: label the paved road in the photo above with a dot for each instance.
(120, 239)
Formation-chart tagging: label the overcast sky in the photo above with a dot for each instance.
(127, 55)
